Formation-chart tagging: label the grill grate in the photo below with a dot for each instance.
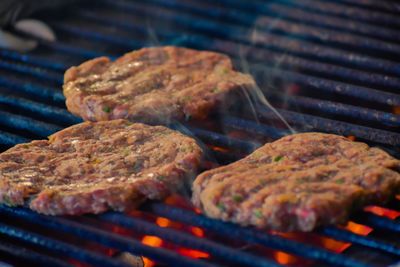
(330, 66)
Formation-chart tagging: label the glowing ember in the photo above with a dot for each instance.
(284, 258)
(193, 253)
(162, 222)
(352, 138)
(358, 228)
(396, 109)
(219, 149)
(398, 197)
(197, 231)
(148, 262)
(392, 214)
(152, 241)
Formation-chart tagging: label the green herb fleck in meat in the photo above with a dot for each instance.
(341, 181)
(161, 178)
(107, 109)
(8, 202)
(277, 158)
(221, 206)
(187, 99)
(237, 198)
(128, 123)
(25, 146)
(215, 90)
(126, 152)
(257, 213)
(183, 149)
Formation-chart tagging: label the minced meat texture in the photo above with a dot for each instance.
(154, 85)
(95, 166)
(298, 183)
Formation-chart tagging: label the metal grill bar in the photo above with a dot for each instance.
(326, 8)
(34, 60)
(42, 73)
(252, 127)
(58, 114)
(273, 24)
(31, 255)
(59, 247)
(9, 140)
(27, 124)
(103, 237)
(348, 236)
(364, 114)
(321, 84)
(338, 127)
(187, 240)
(378, 221)
(390, 6)
(222, 140)
(273, 42)
(336, 23)
(39, 91)
(250, 235)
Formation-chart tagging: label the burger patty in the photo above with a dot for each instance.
(153, 85)
(298, 183)
(95, 166)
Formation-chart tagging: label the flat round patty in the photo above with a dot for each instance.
(153, 85)
(95, 166)
(298, 183)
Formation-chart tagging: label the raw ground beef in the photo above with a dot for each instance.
(154, 85)
(298, 183)
(92, 167)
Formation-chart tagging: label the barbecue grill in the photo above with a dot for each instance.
(330, 66)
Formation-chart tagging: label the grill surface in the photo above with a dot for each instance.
(330, 66)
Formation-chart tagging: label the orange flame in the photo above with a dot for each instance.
(396, 109)
(352, 138)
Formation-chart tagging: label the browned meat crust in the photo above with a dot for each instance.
(153, 85)
(298, 182)
(93, 167)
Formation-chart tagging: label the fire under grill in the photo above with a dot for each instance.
(331, 66)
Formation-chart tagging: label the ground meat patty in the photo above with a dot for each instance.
(92, 167)
(298, 182)
(153, 85)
